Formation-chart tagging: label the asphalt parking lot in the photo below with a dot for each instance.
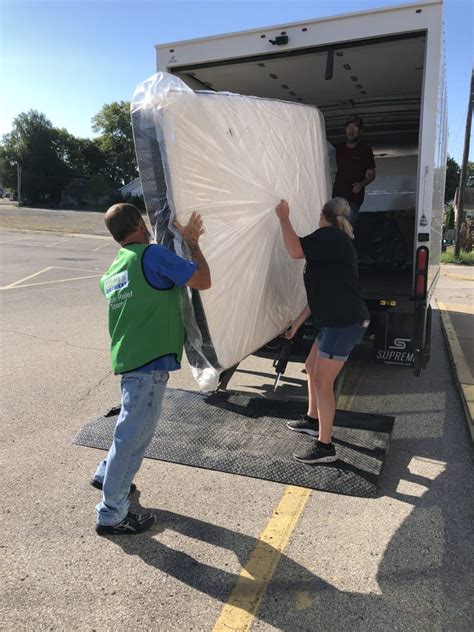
(401, 561)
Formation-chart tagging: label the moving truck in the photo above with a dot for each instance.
(388, 66)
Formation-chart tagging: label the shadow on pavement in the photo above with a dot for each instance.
(425, 575)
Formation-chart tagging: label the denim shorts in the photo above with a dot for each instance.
(336, 343)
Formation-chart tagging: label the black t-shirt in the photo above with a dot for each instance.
(331, 279)
(352, 164)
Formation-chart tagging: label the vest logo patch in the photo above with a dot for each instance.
(115, 282)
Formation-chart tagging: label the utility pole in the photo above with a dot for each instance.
(462, 177)
(18, 182)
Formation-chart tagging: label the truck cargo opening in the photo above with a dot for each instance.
(387, 66)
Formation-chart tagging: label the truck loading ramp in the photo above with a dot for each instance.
(247, 435)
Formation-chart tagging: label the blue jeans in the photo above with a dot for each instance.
(355, 208)
(142, 397)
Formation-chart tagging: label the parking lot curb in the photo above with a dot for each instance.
(461, 370)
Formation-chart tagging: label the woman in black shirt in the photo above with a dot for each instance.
(338, 311)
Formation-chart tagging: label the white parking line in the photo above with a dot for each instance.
(56, 243)
(18, 287)
(7, 287)
(9, 241)
(16, 284)
(100, 247)
(75, 269)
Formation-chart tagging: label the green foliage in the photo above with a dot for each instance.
(465, 258)
(115, 197)
(137, 201)
(56, 165)
(83, 156)
(450, 217)
(113, 122)
(97, 186)
(465, 236)
(452, 179)
(32, 144)
(470, 175)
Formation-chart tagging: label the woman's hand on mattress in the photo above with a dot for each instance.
(292, 329)
(295, 325)
(282, 210)
(192, 231)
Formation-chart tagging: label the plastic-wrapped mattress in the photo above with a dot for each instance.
(231, 158)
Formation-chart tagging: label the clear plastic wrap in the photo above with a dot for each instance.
(231, 158)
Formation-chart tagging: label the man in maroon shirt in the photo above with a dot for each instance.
(355, 167)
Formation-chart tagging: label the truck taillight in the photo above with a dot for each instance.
(420, 285)
(421, 274)
(422, 259)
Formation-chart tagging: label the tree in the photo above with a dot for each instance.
(116, 142)
(31, 143)
(97, 186)
(83, 156)
(51, 157)
(450, 217)
(453, 171)
(470, 175)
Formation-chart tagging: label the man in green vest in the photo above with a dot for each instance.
(142, 287)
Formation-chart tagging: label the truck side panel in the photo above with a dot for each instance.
(432, 150)
(439, 181)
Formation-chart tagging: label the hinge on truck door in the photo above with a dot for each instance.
(280, 40)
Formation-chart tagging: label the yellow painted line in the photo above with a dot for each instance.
(31, 276)
(462, 368)
(239, 611)
(303, 600)
(18, 287)
(461, 277)
(244, 600)
(462, 308)
(462, 371)
(349, 387)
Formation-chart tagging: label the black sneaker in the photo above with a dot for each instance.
(305, 424)
(130, 525)
(98, 485)
(315, 453)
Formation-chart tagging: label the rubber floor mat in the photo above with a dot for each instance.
(247, 435)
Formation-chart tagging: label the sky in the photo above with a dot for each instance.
(67, 58)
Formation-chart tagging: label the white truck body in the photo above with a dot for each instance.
(388, 66)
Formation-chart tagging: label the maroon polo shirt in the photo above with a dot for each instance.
(352, 165)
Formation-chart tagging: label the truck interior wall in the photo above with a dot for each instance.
(386, 228)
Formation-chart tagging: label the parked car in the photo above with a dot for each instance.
(448, 236)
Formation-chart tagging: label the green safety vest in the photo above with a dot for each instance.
(144, 323)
